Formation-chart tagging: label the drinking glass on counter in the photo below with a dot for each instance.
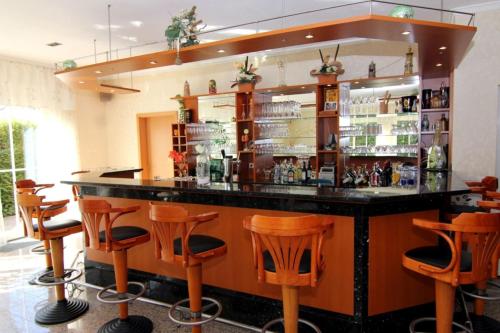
(272, 130)
(276, 110)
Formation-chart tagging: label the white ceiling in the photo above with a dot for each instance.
(27, 25)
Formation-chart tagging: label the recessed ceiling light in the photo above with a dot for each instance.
(400, 78)
(328, 85)
(53, 44)
(282, 94)
(269, 90)
(357, 82)
(137, 24)
(405, 33)
(153, 62)
(443, 48)
(303, 87)
(98, 72)
(112, 91)
(439, 64)
(309, 36)
(283, 40)
(362, 87)
(81, 82)
(220, 51)
(106, 27)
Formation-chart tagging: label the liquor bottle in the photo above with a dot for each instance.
(425, 123)
(277, 173)
(309, 171)
(304, 172)
(436, 158)
(290, 173)
(443, 122)
(297, 173)
(374, 176)
(284, 172)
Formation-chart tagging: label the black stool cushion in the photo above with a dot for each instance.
(198, 244)
(459, 209)
(304, 266)
(52, 225)
(122, 233)
(53, 207)
(439, 256)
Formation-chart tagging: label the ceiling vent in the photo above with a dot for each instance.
(54, 44)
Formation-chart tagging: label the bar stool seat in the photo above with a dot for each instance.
(439, 256)
(123, 233)
(198, 244)
(53, 225)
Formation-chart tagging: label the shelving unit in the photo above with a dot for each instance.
(179, 140)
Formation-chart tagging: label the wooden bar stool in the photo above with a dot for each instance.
(116, 240)
(175, 242)
(54, 230)
(453, 266)
(288, 252)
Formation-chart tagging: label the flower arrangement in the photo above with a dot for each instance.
(181, 162)
(184, 27)
(329, 65)
(246, 74)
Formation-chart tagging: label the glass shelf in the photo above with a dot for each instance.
(382, 115)
(412, 155)
(280, 119)
(285, 137)
(378, 135)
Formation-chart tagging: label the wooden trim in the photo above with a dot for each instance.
(112, 89)
(142, 130)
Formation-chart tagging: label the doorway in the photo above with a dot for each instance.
(155, 143)
(498, 135)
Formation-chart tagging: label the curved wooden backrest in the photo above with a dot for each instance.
(94, 212)
(168, 222)
(75, 188)
(29, 205)
(25, 183)
(286, 239)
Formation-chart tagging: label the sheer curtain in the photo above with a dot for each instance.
(36, 87)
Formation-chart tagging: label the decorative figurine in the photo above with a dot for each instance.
(212, 87)
(409, 62)
(245, 139)
(372, 72)
(187, 90)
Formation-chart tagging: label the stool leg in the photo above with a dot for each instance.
(48, 256)
(58, 262)
(445, 303)
(194, 289)
(479, 303)
(290, 308)
(121, 278)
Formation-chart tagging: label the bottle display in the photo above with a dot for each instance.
(202, 165)
(443, 122)
(425, 123)
(436, 157)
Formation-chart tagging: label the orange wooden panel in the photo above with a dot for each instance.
(235, 270)
(429, 36)
(390, 285)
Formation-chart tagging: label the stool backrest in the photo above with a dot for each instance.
(94, 212)
(75, 188)
(168, 222)
(483, 239)
(25, 183)
(286, 239)
(29, 205)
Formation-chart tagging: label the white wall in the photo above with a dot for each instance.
(476, 101)
(158, 87)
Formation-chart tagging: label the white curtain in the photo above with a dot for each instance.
(35, 86)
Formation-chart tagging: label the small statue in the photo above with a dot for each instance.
(187, 90)
(409, 62)
(372, 71)
(245, 139)
(212, 87)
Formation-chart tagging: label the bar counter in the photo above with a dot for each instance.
(363, 286)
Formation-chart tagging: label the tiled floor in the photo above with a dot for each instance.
(19, 301)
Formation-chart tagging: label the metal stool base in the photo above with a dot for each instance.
(424, 319)
(484, 324)
(282, 320)
(199, 319)
(116, 298)
(32, 280)
(39, 250)
(133, 324)
(61, 311)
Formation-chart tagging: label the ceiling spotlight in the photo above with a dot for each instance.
(112, 91)
(357, 82)
(153, 62)
(137, 24)
(269, 90)
(303, 87)
(309, 36)
(405, 33)
(81, 82)
(439, 64)
(362, 87)
(442, 48)
(220, 51)
(400, 78)
(98, 72)
(53, 44)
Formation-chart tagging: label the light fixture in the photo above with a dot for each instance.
(153, 62)
(137, 24)
(328, 85)
(98, 72)
(303, 87)
(220, 51)
(439, 64)
(357, 82)
(53, 44)
(269, 90)
(81, 82)
(400, 78)
(112, 91)
(442, 48)
(309, 36)
(405, 33)
(362, 87)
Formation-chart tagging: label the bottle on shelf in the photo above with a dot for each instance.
(309, 171)
(436, 157)
(303, 175)
(443, 122)
(425, 123)
(276, 173)
(290, 173)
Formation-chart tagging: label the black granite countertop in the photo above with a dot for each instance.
(431, 184)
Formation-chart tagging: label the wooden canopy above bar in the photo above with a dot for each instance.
(429, 35)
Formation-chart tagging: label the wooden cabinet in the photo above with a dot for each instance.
(179, 142)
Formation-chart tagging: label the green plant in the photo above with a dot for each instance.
(246, 74)
(184, 27)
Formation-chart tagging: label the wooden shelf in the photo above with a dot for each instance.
(436, 110)
(328, 114)
(327, 151)
(432, 132)
(423, 33)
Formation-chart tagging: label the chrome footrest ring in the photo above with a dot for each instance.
(282, 320)
(490, 294)
(196, 318)
(47, 279)
(114, 297)
(420, 320)
(40, 250)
